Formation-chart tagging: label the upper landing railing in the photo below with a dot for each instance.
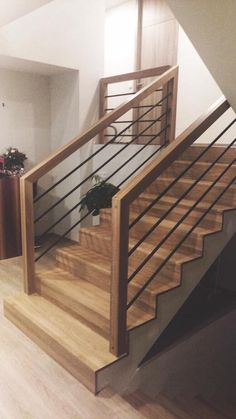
(154, 107)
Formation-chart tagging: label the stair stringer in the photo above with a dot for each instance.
(124, 375)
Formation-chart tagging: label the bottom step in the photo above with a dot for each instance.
(71, 343)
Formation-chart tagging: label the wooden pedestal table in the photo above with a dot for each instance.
(10, 221)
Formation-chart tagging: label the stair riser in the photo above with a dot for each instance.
(197, 170)
(86, 271)
(192, 152)
(103, 246)
(100, 278)
(193, 241)
(78, 311)
(180, 188)
(66, 359)
(213, 221)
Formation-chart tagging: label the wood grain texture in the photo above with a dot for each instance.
(34, 386)
(118, 318)
(10, 222)
(62, 153)
(81, 351)
(146, 176)
(27, 228)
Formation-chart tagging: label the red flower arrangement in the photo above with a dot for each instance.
(12, 162)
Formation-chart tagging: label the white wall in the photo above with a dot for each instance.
(120, 38)
(64, 94)
(13, 9)
(197, 91)
(211, 27)
(25, 118)
(68, 33)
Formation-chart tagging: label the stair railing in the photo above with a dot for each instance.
(165, 121)
(121, 224)
(115, 88)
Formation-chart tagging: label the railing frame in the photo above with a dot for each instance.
(120, 214)
(135, 76)
(27, 210)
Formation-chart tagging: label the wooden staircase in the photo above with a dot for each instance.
(69, 316)
(110, 296)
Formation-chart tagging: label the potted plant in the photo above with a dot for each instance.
(99, 196)
(12, 162)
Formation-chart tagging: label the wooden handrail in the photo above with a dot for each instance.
(136, 75)
(137, 185)
(27, 207)
(65, 151)
(120, 219)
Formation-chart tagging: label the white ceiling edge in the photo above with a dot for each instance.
(11, 10)
(28, 66)
(113, 3)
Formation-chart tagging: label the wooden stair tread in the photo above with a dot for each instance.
(78, 339)
(88, 255)
(186, 202)
(103, 232)
(168, 223)
(163, 283)
(93, 298)
(189, 182)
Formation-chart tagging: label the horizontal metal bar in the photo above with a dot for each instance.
(147, 258)
(147, 159)
(130, 135)
(178, 245)
(63, 236)
(61, 218)
(179, 176)
(120, 94)
(145, 120)
(134, 107)
(127, 94)
(132, 157)
(90, 157)
(93, 173)
(179, 200)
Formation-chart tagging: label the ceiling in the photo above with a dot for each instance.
(112, 3)
(13, 9)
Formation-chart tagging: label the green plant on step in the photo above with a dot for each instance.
(99, 196)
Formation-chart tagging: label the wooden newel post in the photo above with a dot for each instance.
(27, 231)
(172, 88)
(102, 106)
(120, 238)
(169, 105)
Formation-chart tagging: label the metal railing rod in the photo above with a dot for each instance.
(132, 157)
(76, 205)
(143, 162)
(88, 177)
(128, 93)
(130, 135)
(62, 237)
(134, 107)
(61, 218)
(120, 94)
(156, 248)
(146, 120)
(179, 176)
(179, 244)
(147, 234)
(96, 152)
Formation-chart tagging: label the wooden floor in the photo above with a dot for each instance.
(33, 386)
